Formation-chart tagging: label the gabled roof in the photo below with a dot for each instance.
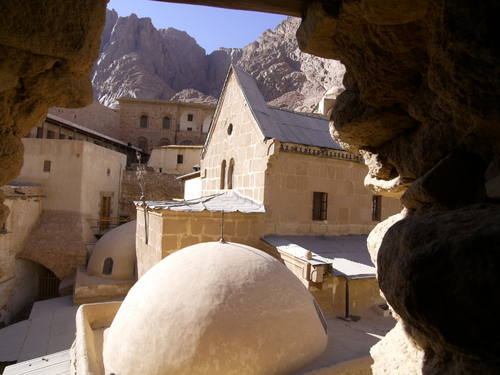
(281, 124)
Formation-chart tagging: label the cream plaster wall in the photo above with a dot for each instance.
(132, 109)
(166, 158)
(245, 145)
(63, 184)
(78, 174)
(192, 188)
(18, 278)
(96, 181)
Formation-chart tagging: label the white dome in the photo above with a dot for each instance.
(215, 308)
(119, 246)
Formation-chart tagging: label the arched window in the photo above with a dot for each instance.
(223, 174)
(166, 122)
(230, 174)
(142, 143)
(164, 142)
(186, 142)
(107, 267)
(143, 123)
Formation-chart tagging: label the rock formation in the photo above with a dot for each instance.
(137, 60)
(46, 57)
(421, 104)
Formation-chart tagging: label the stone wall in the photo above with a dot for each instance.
(58, 241)
(169, 231)
(95, 116)
(158, 187)
(245, 145)
(155, 134)
(291, 179)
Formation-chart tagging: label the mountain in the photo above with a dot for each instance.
(138, 60)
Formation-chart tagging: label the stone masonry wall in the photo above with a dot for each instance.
(245, 145)
(169, 231)
(291, 179)
(158, 186)
(131, 111)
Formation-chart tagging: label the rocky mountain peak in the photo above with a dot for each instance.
(138, 60)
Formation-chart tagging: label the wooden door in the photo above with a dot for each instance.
(105, 216)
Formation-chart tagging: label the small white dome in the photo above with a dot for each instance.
(215, 308)
(113, 255)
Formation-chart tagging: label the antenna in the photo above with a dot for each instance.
(139, 173)
(222, 240)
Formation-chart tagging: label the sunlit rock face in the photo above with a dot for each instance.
(46, 54)
(421, 104)
(138, 60)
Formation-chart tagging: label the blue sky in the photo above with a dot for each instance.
(211, 27)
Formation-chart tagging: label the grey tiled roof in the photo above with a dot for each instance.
(227, 201)
(347, 254)
(284, 125)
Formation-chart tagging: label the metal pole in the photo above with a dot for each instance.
(222, 227)
(346, 298)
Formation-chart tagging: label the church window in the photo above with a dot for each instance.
(230, 174)
(223, 174)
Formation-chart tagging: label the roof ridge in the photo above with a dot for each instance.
(313, 115)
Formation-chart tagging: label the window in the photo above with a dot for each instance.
(230, 174)
(223, 174)
(166, 122)
(46, 165)
(187, 142)
(190, 117)
(230, 129)
(320, 205)
(376, 208)
(180, 159)
(143, 123)
(160, 170)
(108, 172)
(62, 136)
(51, 134)
(107, 267)
(189, 129)
(39, 132)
